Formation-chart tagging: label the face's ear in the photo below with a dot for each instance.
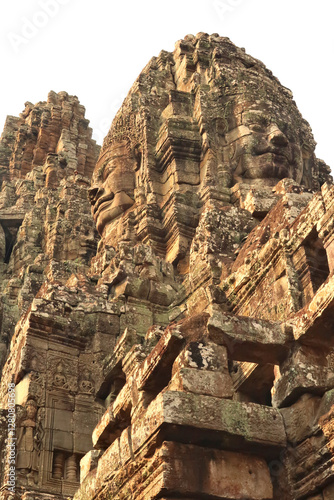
(100, 164)
(308, 169)
(138, 154)
(324, 172)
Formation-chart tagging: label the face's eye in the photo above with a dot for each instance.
(106, 170)
(106, 173)
(256, 127)
(98, 174)
(256, 122)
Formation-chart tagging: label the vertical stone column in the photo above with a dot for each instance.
(71, 468)
(58, 465)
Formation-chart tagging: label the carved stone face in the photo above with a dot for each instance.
(31, 411)
(111, 193)
(264, 147)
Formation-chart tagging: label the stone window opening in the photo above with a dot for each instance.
(111, 386)
(10, 234)
(138, 153)
(317, 257)
(252, 382)
(153, 389)
(115, 388)
(312, 265)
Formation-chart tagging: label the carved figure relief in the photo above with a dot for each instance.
(59, 379)
(62, 373)
(86, 384)
(29, 443)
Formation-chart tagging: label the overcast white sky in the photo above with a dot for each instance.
(96, 49)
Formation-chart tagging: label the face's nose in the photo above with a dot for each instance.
(277, 138)
(94, 193)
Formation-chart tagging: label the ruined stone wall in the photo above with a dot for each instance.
(47, 158)
(184, 348)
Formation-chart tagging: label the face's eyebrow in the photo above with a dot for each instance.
(255, 117)
(98, 172)
(101, 169)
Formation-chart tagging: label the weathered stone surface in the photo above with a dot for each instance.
(304, 371)
(249, 339)
(207, 383)
(300, 419)
(47, 159)
(187, 470)
(89, 462)
(233, 423)
(204, 297)
(213, 472)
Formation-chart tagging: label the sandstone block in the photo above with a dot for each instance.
(202, 356)
(242, 426)
(193, 470)
(103, 433)
(300, 419)
(305, 370)
(88, 463)
(249, 339)
(202, 382)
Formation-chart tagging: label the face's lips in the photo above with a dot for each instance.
(102, 200)
(103, 206)
(268, 163)
(120, 199)
(110, 207)
(279, 154)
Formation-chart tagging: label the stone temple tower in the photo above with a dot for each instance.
(166, 300)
